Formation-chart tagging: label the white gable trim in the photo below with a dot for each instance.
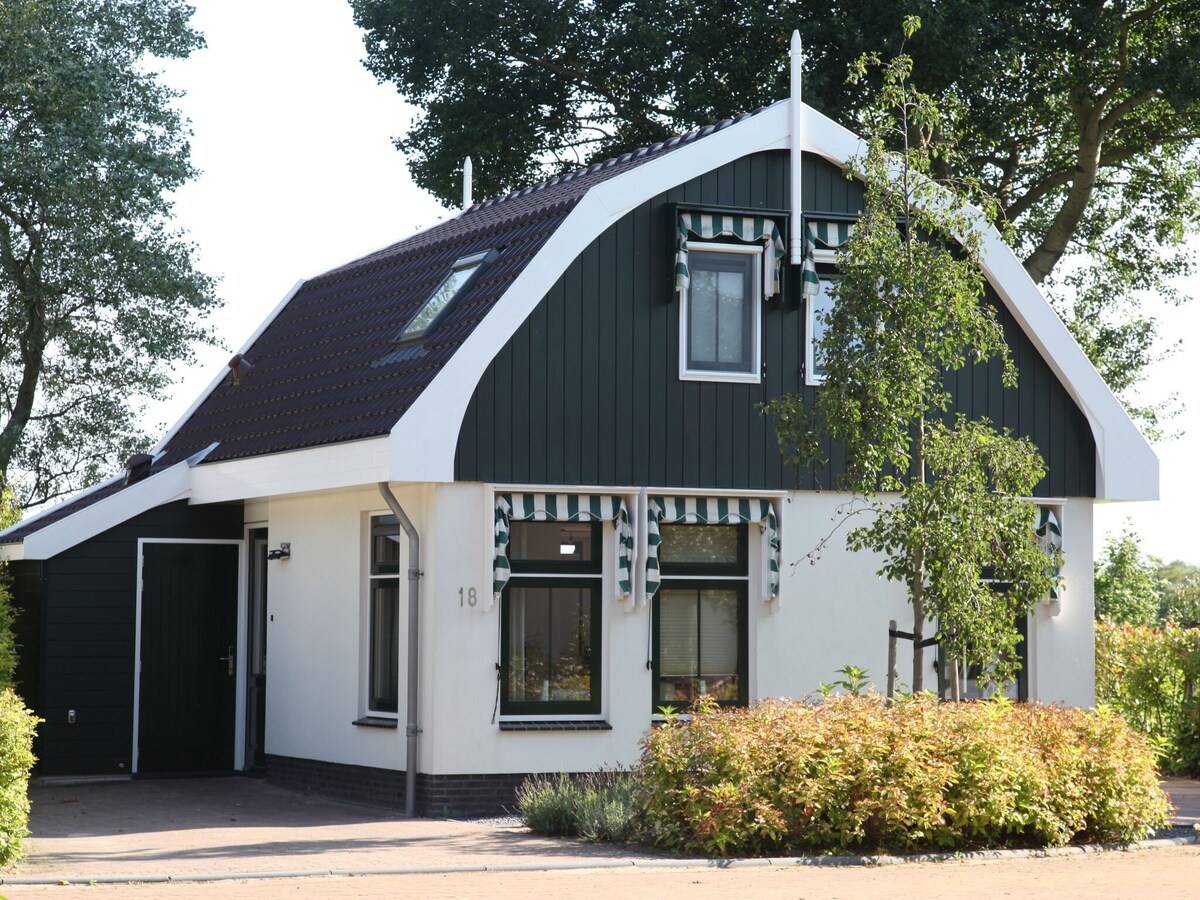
(326, 467)
(424, 441)
(162, 487)
(426, 437)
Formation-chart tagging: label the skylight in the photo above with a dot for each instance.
(459, 275)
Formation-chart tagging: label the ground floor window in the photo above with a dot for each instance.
(699, 633)
(975, 686)
(700, 616)
(383, 663)
(550, 619)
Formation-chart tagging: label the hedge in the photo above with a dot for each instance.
(853, 774)
(1151, 676)
(17, 725)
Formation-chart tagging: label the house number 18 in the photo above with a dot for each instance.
(467, 597)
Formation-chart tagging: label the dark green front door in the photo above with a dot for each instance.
(188, 646)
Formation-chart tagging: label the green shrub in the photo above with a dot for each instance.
(1151, 677)
(853, 774)
(17, 726)
(596, 806)
(8, 640)
(605, 807)
(547, 804)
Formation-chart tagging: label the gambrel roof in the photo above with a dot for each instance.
(327, 368)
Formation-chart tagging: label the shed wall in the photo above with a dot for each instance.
(88, 616)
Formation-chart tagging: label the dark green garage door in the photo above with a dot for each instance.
(189, 625)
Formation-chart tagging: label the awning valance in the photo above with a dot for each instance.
(826, 236)
(561, 508)
(752, 229)
(713, 511)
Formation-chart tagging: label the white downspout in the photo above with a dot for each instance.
(412, 729)
(795, 107)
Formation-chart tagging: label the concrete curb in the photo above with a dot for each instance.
(638, 863)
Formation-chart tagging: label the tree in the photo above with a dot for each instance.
(1178, 586)
(99, 299)
(9, 515)
(1126, 589)
(908, 308)
(1081, 118)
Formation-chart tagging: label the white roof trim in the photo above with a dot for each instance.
(173, 483)
(347, 464)
(46, 509)
(424, 441)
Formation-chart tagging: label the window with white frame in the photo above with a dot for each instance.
(383, 616)
(720, 317)
(819, 307)
(822, 239)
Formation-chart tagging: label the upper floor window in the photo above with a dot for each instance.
(720, 317)
(721, 289)
(460, 275)
(818, 308)
(822, 239)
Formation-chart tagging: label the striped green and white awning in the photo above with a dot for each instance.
(713, 511)
(753, 229)
(561, 508)
(1049, 532)
(824, 235)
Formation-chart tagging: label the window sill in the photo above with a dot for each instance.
(556, 725)
(719, 376)
(376, 722)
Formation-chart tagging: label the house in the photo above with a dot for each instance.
(528, 419)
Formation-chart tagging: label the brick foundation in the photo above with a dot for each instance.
(439, 796)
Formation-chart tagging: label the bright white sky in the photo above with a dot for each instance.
(294, 140)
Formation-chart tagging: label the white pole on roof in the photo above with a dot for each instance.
(467, 183)
(795, 238)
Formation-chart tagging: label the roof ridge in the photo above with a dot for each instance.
(670, 143)
(465, 217)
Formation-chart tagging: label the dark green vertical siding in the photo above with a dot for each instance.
(26, 582)
(587, 391)
(89, 601)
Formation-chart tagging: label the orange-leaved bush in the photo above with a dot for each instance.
(854, 774)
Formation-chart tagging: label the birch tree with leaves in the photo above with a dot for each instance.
(944, 494)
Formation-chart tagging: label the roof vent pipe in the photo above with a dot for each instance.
(795, 113)
(137, 467)
(467, 184)
(411, 730)
(240, 367)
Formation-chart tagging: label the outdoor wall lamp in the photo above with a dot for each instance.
(284, 552)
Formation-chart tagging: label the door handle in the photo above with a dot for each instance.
(228, 659)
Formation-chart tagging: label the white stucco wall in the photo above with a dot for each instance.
(830, 613)
(461, 737)
(1062, 645)
(316, 629)
(836, 611)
